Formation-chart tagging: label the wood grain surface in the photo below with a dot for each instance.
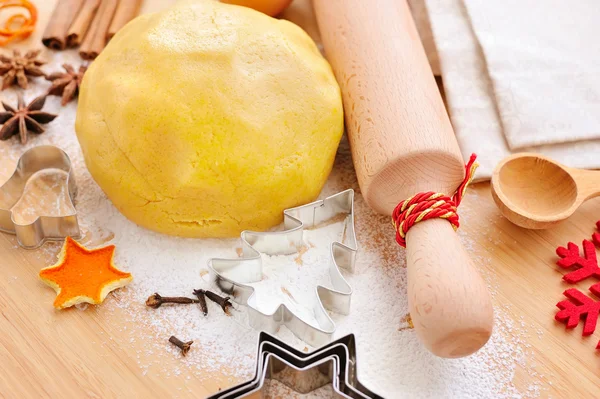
(45, 353)
(401, 144)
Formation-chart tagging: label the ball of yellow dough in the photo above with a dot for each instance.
(208, 119)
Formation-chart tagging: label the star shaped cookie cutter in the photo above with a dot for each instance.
(43, 228)
(334, 363)
(232, 276)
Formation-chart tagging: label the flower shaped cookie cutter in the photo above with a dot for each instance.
(232, 276)
(43, 228)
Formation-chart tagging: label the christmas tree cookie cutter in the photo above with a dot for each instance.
(43, 228)
(232, 276)
(335, 363)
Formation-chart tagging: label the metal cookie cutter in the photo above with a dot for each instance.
(44, 228)
(233, 275)
(303, 372)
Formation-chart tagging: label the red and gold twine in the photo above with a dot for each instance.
(429, 205)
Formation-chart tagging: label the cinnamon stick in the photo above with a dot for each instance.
(82, 22)
(95, 38)
(55, 35)
(126, 11)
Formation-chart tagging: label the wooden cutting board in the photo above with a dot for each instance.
(45, 353)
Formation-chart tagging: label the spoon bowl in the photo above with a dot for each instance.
(536, 192)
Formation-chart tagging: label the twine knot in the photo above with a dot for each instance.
(429, 205)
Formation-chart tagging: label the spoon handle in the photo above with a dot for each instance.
(588, 183)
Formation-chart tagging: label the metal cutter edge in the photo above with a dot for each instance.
(274, 356)
(43, 228)
(248, 269)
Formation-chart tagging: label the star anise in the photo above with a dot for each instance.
(66, 84)
(19, 68)
(24, 119)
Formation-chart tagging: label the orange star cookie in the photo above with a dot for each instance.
(83, 275)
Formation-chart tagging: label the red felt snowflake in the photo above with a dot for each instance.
(596, 236)
(588, 263)
(579, 306)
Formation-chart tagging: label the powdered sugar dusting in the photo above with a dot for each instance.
(391, 360)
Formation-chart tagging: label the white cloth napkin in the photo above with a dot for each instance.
(419, 14)
(543, 58)
(470, 96)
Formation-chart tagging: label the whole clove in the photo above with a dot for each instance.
(224, 302)
(184, 346)
(155, 300)
(202, 301)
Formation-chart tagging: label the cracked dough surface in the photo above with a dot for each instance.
(207, 119)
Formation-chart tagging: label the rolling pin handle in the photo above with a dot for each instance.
(448, 300)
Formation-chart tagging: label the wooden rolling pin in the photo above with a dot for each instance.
(402, 144)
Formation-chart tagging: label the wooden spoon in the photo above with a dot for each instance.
(535, 192)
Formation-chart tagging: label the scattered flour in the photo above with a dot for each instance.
(391, 361)
(292, 279)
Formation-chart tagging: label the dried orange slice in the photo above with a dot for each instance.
(83, 275)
